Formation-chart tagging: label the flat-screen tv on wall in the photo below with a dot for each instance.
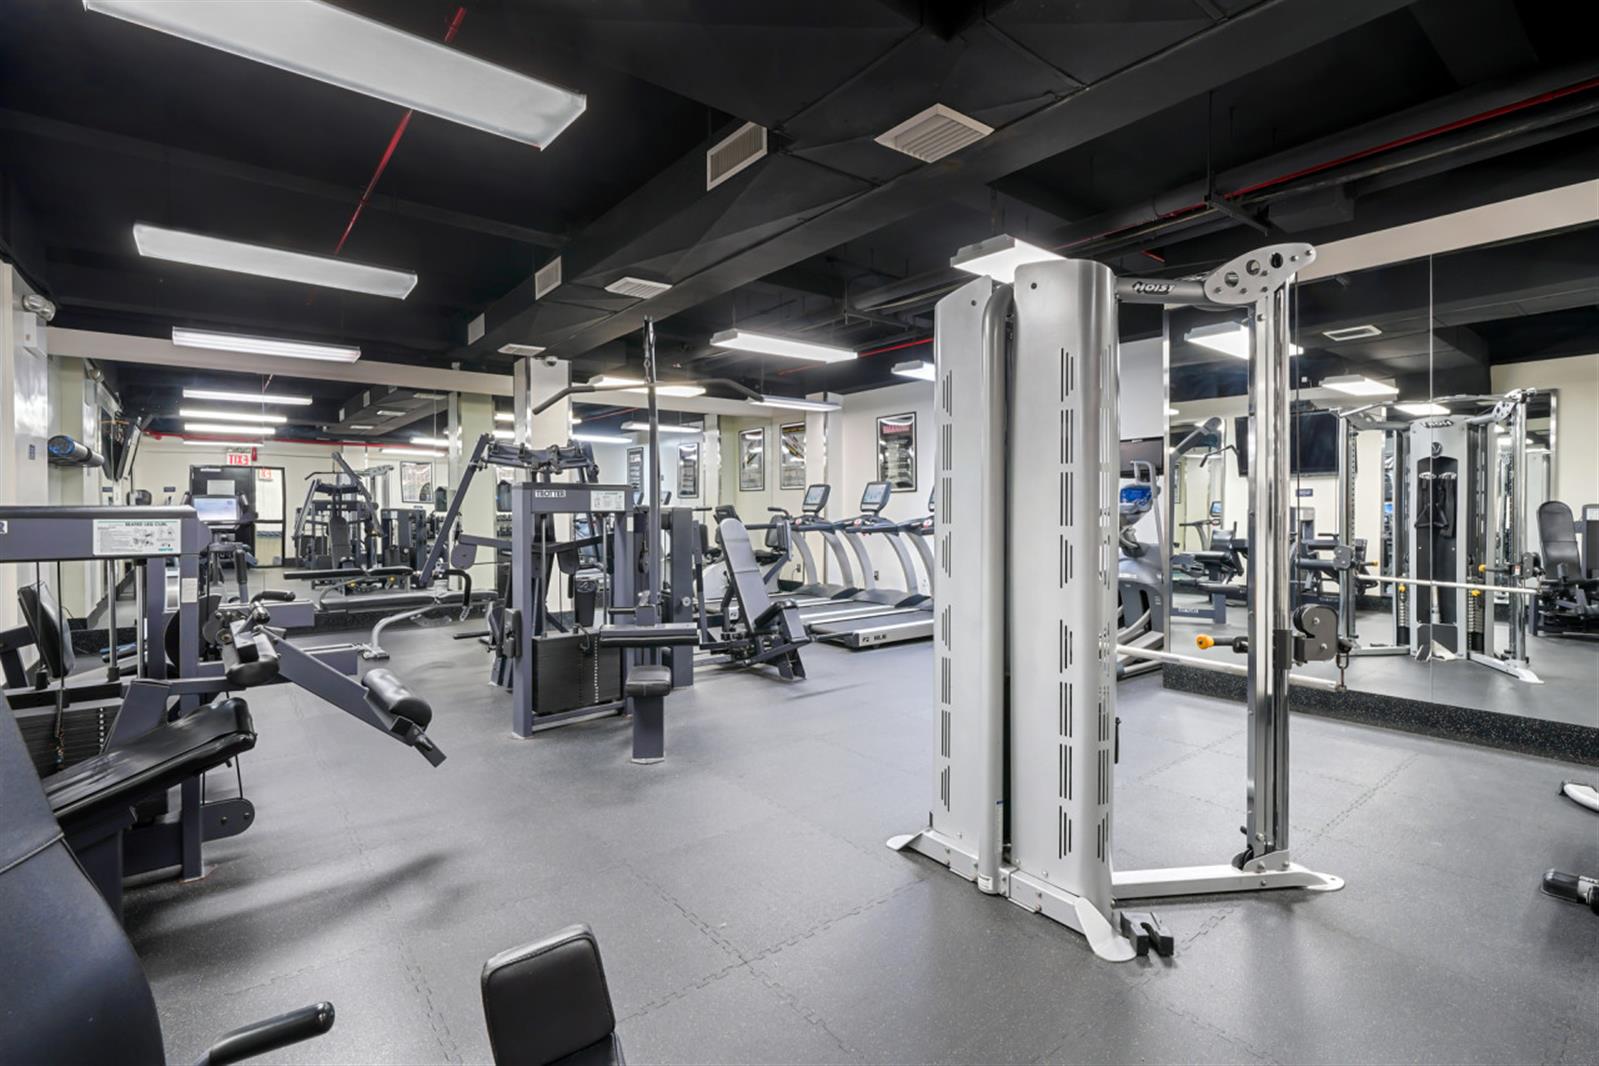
(1313, 443)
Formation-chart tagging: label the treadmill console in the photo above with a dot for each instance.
(815, 499)
(217, 510)
(875, 497)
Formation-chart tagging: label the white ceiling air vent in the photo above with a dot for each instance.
(638, 288)
(546, 278)
(520, 349)
(474, 329)
(1352, 333)
(933, 134)
(733, 153)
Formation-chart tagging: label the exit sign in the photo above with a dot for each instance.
(241, 458)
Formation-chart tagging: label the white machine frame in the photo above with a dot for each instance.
(1027, 464)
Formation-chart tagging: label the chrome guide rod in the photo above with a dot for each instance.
(995, 384)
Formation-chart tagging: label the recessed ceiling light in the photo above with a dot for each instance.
(197, 249)
(227, 427)
(638, 288)
(796, 403)
(1422, 408)
(329, 44)
(663, 390)
(745, 341)
(231, 416)
(223, 443)
(920, 369)
(391, 449)
(520, 349)
(644, 427)
(224, 396)
(1228, 338)
(1351, 333)
(238, 342)
(998, 257)
(435, 442)
(601, 438)
(1360, 385)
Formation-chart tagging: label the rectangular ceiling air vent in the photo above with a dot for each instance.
(933, 134)
(1352, 333)
(520, 349)
(733, 153)
(474, 329)
(638, 288)
(546, 278)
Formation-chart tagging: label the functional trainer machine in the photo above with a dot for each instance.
(1022, 780)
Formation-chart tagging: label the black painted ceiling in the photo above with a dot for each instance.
(1396, 112)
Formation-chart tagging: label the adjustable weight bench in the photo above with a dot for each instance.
(766, 630)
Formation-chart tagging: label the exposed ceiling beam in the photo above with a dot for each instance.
(1270, 32)
(120, 144)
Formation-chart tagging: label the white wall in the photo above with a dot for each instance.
(1576, 451)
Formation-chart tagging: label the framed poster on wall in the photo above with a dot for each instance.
(688, 471)
(635, 471)
(415, 478)
(791, 455)
(896, 451)
(751, 460)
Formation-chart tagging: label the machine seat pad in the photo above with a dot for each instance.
(1216, 586)
(548, 1002)
(649, 680)
(390, 694)
(667, 634)
(152, 762)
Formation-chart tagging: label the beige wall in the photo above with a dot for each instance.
(1576, 451)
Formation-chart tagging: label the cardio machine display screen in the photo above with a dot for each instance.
(815, 498)
(217, 510)
(875, 497)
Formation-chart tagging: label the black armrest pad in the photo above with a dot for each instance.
(547, 1000)
(390, 694)
(649, 680)
(262, 1037)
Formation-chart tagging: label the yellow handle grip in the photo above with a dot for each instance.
(1205, 641)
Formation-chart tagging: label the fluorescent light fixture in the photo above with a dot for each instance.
(1228, 338)
(998, 257)
(196, 249)
(390, 449)
(576, 421)
(432, 442)
(601, 438)
(796, 403)
(427, 395)
(223, 443)
(520, 349)
(920, 369)
(504, 434)
(231, 416)
(1352, 333)
(329, 44)
(224, 396)
(361, 425)
(644, 427)
(1360, 385)
(390, 414)
(745, 341)
(1172, 412)
(239, 342)
(638, 288)
(228, 427)
(505, 416)
(1422, 408)
(681, 391)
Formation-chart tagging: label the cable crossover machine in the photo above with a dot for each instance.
(1026, 416)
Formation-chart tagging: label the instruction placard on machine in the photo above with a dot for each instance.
(124, 537)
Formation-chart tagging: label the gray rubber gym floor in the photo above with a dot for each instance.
(748, 910)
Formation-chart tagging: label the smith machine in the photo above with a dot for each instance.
(1025, 811)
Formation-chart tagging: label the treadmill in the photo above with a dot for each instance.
(854, 623)
(816, 592)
